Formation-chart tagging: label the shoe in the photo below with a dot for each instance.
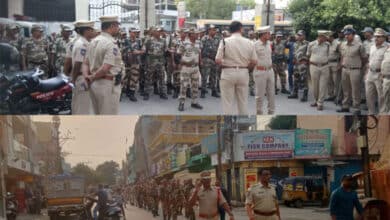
(320, 108)
(341, 110)
(197, 106)
(188, 94)
(146, 96)
(132, 96)
(293, 96)
(203, 94)
(215, 94)
(252, 93)
(330, 99)
(285, 91)
(163, 96)
(169, 89)
(304, 98)
(314, 104)
(181, 106)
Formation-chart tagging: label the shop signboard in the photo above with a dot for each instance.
(264, 145)
(250, 177)
(313, 144)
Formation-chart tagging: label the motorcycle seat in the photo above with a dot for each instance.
(51, 84)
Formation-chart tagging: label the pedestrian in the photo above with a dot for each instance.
(237, 56)
(318, 54)
(210, 43)
(104, 62)
(189, 75)
(58, 52)
(224, 192)
(102, 200)
(279, 62)
(264, 72)
(385, 74)
(373, 80)
(261, 201)
(334, 85)
(353, 57)
(209, 199)
(301, 63)
(81, 100)
(369, 41)
(343, 201)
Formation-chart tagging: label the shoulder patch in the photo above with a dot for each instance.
(83, 52)
(115, 51)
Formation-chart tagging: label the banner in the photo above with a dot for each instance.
(181, 9)
(264, 145)
(210, 144)
(313, 144)
(250, 177)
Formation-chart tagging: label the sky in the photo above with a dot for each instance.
(95, 139)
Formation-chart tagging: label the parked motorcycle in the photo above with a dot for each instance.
(11, 207)
(28, 94)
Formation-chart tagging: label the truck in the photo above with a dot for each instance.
(65, 196)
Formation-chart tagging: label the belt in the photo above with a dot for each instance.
(318, 64)
(302, 62)
(37, 63)
(108, 77)
(333, 61)
(376, 70)
(257, 212)
(263, 68)
(201, 215)
(352, 68)
(190, 65)
(234, 67)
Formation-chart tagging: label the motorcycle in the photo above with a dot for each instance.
(11, 207)
(28, 94)
(113, 211)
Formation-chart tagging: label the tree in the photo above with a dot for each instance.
(85, 171)
(312, 15)
(211, 9)
(283, 123)
(107, 172)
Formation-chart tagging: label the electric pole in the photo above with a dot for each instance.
(219, 141)
(363, 131)
(268, 11)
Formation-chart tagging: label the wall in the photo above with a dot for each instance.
(15, 7)
(82, 10)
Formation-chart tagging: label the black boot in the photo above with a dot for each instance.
(155, 88)
(146, 96)
(141, 89)
(215, 94)
(252, 92)
(304, 98)
(169, 89)
(163, 96)
(189, 95)
(181, 106)
(196, 105)
(293, 96)
(284, 90)
(176, 93)
(203, 94)
(132, 97)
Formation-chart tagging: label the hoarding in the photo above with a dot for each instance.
(313, 144)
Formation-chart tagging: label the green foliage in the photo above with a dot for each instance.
(105, 173)
(312, 15)
(212, 9)
(283, 123)
(85, 171)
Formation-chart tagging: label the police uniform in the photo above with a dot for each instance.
(373, 82)
(59, 50)
(334, 74)
(300, 68)
(14, 41)
(318, 54)
(133, 66)
(36, 51)
(236, 53)
(263, 201)
(209, 68)
(189, 75)
(264, 74)
(352, 54)
(279, 63)
(176, 72)
(386, 82)
(105, 92)
(189, 211)
(81, 100)
(155, 53)
(252, 86)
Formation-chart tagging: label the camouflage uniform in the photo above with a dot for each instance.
(155, 51)
(165, 197)
(133, 63)
(300, 69)
(279, 64)
(189, 211)
(209, 68)
(59, 51)
(176, 72)
(177, 201)
(36, 53)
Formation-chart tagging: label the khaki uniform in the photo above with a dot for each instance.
(36, 52)
(236, 54)
(105, 94)
(352, 55)
(373, 82)
(264, 77)
(367, 44)
(386, 82)
(319, 69)
(81, 100)
(279, 63)
(209, 200)
(262, 199)
(59, 51)
(189, 76)
(334, 75)
(69, 47)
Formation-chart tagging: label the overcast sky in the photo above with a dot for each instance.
(96, 138)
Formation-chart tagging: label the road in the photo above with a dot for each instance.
(134, 213)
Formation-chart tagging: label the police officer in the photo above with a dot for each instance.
(279, 61)
(177, 199)
(353, 57)
(58, 52)
(385, 68)
(81, 100)
(155, 49)
(68, 54)
(264, 73)
(104, 62)
(318, 54)
(35, 51)
(300, 67)
(252, 37)
(209, 198)
(189, 75)
(188, 210)
(176, 61)
(334, 85)
(209, 69)
(12, 38)
(373, 81)
(261, 201)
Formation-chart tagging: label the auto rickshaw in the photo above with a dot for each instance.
(302, 190)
